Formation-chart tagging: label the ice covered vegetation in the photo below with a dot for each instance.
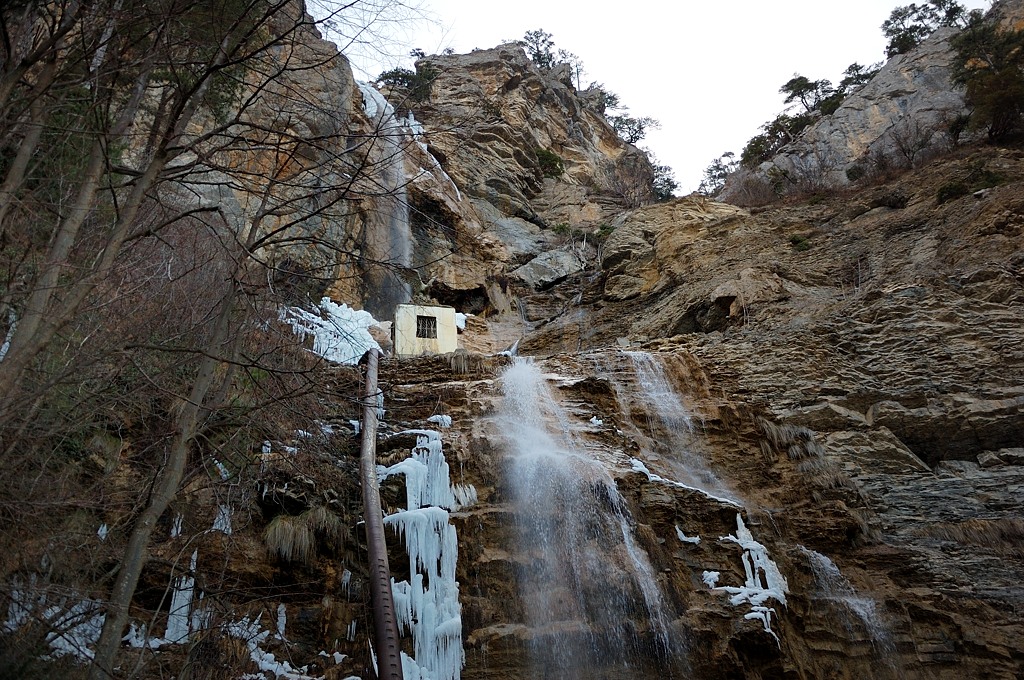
(340, 334)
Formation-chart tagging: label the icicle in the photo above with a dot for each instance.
(763, 580)
(224, 473)
(181, 605)
(282, 620)
(12, 320)
(427, 604)
(222, 522)
(176, 526)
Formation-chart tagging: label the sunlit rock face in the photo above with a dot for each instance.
(502, 128)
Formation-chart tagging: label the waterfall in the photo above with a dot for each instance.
(832, 586)
(388, 238)
(668, 437)
(590, 596)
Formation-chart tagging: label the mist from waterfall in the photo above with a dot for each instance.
(590, 597)
(388, 237)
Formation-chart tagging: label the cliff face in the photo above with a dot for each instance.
(901, 116)
(854, 367)
(783, 443)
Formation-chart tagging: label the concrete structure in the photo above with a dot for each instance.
(424, 330)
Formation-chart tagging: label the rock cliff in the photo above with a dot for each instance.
(906, 114)
(773, 443)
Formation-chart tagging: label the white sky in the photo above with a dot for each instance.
(710, 72)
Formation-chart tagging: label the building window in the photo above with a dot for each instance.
(426, 327)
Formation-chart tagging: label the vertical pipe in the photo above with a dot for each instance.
(385, 623)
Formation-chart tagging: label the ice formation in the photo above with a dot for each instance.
(340, 334)
(12, 319)
(282, 620)
(763, 581)
(252, 633)
(440, 421)
(222, 522)
(687, 539)
(638, 466)
(178, 617)
(428, 603)
(74, 624)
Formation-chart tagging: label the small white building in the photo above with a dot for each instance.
(420, 329)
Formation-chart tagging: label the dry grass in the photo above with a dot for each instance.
(293, 538)
(1003, 536)
(801, 447)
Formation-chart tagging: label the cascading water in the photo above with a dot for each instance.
(668, 436)
(590, 596)
(833, 587)
(388, 237)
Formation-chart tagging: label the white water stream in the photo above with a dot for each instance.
(388, 237)
(590, 597)
(832, 586)
(668, 437)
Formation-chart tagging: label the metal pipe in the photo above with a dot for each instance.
(385, 623)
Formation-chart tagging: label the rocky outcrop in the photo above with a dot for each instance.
(899, 118)
(500, 125)
(904, 116)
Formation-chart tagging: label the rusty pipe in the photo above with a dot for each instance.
(385, 622)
